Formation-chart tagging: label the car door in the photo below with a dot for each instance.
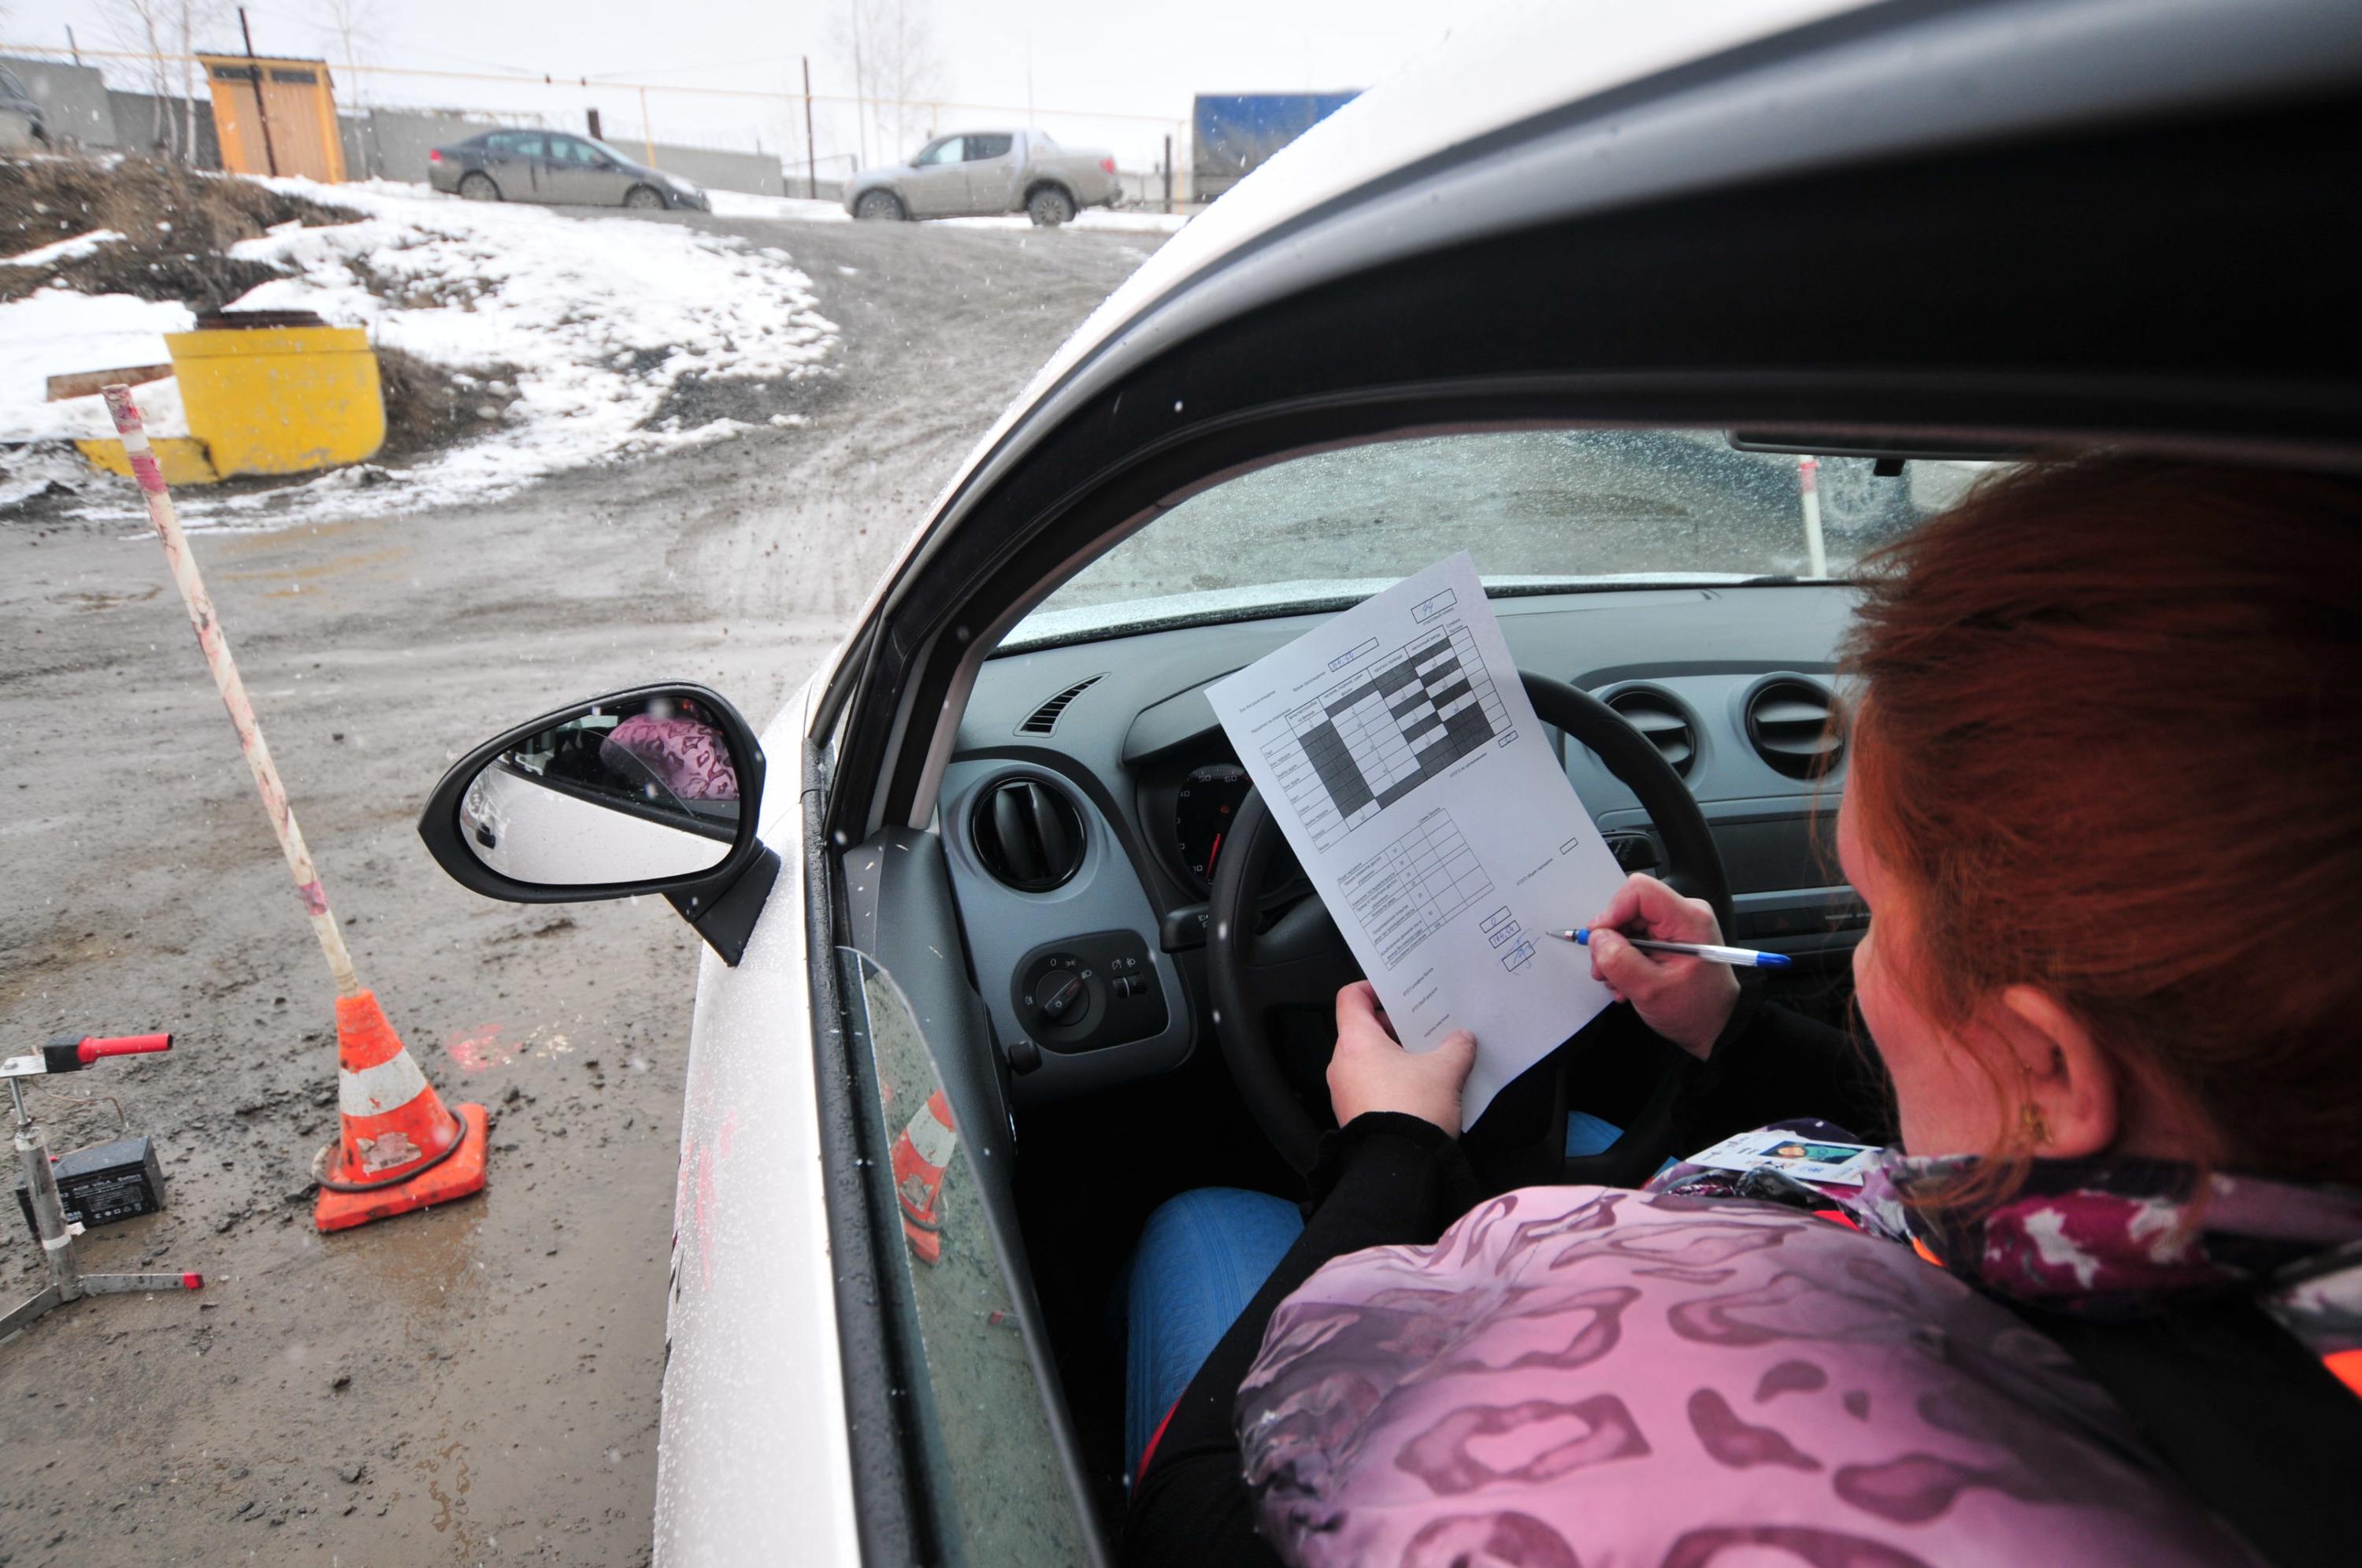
(992, 163)
(575, 172)
(513, 161)
(937, 184)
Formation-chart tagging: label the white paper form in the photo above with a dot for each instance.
(1397, 749)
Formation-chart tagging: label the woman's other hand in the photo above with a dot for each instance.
(1686, 999)
(1370, 1071)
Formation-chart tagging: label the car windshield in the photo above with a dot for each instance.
(1540, 510)
(604, 150)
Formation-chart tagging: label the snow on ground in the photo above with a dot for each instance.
(56, 331)
(738, 203)
(57, 250)
(596, 321)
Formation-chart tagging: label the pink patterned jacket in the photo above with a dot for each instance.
(1573, 1377)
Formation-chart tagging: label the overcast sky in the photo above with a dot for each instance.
(1089, 62)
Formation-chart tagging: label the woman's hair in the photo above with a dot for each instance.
(2112, 747)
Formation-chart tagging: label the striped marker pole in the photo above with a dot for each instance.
(215, 647)
(1808, 485)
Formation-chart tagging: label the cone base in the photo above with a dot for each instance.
(457, 1177)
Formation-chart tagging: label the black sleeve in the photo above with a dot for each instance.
(1770, 1065)
(1385, 1180)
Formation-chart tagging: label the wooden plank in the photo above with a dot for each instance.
(84, 384)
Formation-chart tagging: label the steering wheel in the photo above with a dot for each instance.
(1303, 961)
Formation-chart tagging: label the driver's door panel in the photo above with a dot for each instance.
(970, 1281)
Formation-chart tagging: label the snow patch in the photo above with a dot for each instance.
(58, 250)
(603, 319)
(56, 332)
(739, 203)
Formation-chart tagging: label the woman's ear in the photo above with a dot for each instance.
(2074, 1091)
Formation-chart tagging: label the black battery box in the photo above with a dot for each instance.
(103, 1183)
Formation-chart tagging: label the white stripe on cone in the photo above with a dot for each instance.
(930, 1139)
(373, 1091)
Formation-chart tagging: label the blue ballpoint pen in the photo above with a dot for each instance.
(1745, 957)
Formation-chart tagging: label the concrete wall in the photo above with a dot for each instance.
(756, 173)
(139, 117)
(72, 99)
(392, 144)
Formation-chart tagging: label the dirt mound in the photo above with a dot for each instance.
(177, 227)
(428, 407)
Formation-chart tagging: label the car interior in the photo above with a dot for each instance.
(1035, 829)
(1091, 797)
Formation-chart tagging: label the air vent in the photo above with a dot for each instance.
(1045, 719)
(1788, 723)
(1664, 721)
(1028, 835)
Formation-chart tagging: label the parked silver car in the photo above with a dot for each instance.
(557, 167)
(978, 173)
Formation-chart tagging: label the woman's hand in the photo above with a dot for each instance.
(1371, 1072)
(1686, 999)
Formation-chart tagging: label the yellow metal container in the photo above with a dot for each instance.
(284, 400)
(182, 458)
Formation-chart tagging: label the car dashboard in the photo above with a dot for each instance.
(1083, 808)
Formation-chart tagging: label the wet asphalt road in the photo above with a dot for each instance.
(479, 1383)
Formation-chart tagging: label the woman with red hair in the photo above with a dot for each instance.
(2101, 1300)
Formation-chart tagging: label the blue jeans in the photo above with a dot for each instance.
(1200, 1260)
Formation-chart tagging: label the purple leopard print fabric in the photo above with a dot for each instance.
(686, 758)
(1573, 1377)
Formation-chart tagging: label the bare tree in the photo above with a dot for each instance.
(188, 16)
(897, 65)
(142, 27)
(347, 24)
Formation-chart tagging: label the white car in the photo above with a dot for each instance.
(1006, 953)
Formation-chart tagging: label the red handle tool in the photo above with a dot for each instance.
(72, 1056)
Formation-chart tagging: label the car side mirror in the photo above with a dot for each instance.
(604, 165)
(657, 789)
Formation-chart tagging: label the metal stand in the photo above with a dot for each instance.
(67, 1282)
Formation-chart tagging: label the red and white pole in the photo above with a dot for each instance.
(1808, 483)
(215, 647)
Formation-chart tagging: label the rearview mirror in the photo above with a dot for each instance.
(651, 791)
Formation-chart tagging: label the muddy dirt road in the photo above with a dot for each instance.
(479, 1383)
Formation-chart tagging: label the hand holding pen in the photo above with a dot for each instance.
(1641, 949)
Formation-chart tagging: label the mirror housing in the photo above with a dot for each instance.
(719, 895)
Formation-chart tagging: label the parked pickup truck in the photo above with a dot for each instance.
(970, 174)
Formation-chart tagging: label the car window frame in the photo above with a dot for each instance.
(1008, 145)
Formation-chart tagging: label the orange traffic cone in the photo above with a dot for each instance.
(401, 1149)
(921, 1154)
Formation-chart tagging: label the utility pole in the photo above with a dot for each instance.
(648, 134)
(1168, 171)
(860, 92)
(811, 158)
(261, 114)
(73, 48)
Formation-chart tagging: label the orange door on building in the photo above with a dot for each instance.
(276, 117)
